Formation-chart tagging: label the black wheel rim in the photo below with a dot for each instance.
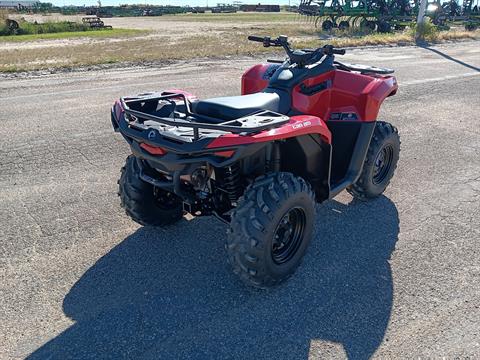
(288, 235)
(383, 163)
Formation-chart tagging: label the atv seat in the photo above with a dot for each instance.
(234, 107)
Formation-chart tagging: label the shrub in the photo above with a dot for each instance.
(51, 27)
(4, 30)
(426, 31)
(3, 26)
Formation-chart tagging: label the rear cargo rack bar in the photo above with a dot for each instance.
(252, 123)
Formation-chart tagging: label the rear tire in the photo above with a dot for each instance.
(270, 229)
(380, 162)
(144, 203)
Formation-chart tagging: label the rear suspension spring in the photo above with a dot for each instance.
(232, 182)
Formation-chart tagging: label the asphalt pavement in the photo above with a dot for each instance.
(396, 277)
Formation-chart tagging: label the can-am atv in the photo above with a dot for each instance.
(303, 130)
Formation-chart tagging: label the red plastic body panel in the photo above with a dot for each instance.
(348, 92)
(188, 95)
(297, 126)
(317, 104)
(253, 80)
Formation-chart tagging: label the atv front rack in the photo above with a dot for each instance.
(142, 119)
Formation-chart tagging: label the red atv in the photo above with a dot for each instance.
(303, 130)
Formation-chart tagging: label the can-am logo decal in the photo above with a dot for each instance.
(301, 125)
(152, 134)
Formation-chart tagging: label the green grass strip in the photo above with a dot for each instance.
(105, 33)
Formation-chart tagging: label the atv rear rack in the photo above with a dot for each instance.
(253, 123)
(363, 69)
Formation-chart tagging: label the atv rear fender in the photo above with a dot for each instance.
(297, 126)
(303, 147)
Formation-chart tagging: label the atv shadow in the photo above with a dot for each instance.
(168, 294)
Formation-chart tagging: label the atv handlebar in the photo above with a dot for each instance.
(330, 50)
(256, 38)
(267, 41)
(300, 57)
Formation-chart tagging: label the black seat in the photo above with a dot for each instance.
(234, 107)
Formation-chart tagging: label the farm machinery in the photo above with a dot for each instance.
(11, 26)
(450, 12)
(95, 22)
(224, 9)
(386, 15)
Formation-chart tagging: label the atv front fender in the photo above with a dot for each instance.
(374, 94)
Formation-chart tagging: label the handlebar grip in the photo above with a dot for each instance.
(256, 38)
(338, 51)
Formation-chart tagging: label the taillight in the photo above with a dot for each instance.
(154, 150)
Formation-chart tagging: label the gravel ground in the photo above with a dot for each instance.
(397, 277)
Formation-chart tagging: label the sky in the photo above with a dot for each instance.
(161, 2)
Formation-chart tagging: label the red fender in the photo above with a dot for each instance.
(350, 93)
(375, 93)
(298, 125)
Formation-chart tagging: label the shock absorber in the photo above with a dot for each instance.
(232, 182)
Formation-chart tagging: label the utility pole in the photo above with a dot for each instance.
(420, 19)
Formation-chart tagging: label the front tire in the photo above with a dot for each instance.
(270, 229)
(380, 163)
(144, 203)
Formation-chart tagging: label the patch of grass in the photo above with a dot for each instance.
(234, 17)
(10, 69)
(105, 33)
(51, 27)
(3, 29)
(458, 35)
